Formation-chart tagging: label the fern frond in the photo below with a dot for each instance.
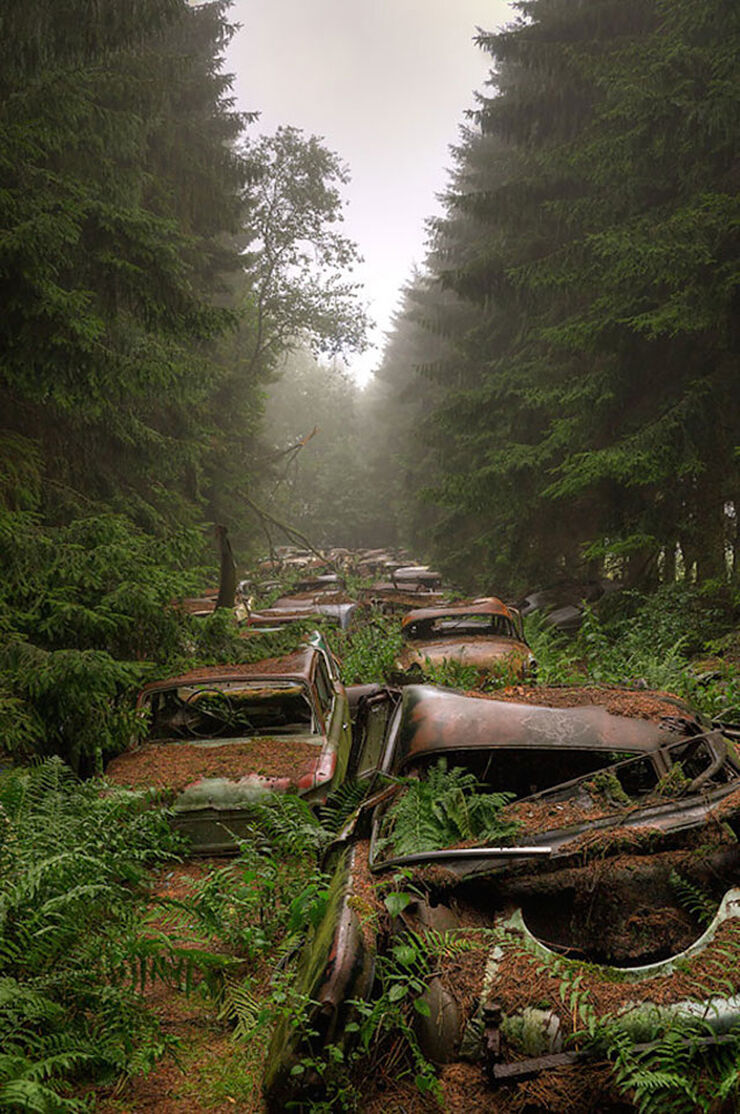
(441, 809)
(693, 898)
(341, 804)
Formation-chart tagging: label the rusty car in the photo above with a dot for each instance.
(329, 606)
(579, 877)
(220, 737)
(483, 633)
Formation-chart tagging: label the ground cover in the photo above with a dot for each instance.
(176, 765)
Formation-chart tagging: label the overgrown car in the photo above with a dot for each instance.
(223, 736)
(513, 850)
(201, 607)
(483, 633)
(334, 608)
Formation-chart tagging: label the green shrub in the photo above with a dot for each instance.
(369, 652)
(443, 808)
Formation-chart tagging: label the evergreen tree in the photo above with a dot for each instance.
(114, 159)
(590, 401)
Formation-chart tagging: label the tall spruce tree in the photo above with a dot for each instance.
(590, 404)
(118, 187)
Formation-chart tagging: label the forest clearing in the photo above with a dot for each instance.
(369, 666)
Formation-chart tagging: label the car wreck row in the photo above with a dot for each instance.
(528, 839)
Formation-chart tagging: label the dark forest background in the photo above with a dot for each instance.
(558, 402)
(560, 395)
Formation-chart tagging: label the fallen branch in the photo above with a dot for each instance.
(289, 531)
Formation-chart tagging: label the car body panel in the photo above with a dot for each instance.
(335, 970)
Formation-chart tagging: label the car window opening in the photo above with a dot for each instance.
(226, 712)
(449, 626)
(522, 772)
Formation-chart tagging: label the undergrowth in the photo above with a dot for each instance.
(368, 653)
(649, 642)
(75, 950)
(441, 809)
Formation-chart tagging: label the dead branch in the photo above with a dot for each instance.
(289, 531)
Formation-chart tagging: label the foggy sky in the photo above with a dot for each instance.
(386, 84)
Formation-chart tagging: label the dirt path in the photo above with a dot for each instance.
(208, 1071)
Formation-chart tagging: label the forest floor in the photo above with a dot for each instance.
(206, 1069)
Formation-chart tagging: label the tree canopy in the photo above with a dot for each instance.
(583, 282)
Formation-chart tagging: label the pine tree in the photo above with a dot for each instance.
(590, 407)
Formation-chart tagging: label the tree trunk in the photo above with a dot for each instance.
(227, 582)
(710, 559)
(669, 563)
(641, 568)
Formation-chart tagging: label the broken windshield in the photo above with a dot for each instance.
(231, 710)
(523, 772)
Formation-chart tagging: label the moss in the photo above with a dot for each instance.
(606, 784)
(674, 783)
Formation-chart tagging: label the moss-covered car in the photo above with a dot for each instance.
(222, 736)
(553, 866)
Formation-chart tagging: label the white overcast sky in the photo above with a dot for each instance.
(386, 84)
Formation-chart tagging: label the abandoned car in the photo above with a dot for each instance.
(334, 608)
(202, 606)
(483, 633)
(223, 736)
(510, 849)
(416, 578)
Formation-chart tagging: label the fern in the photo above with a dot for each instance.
(74, 943)
(443, 808)
(243, 1008)
(341, 804)
(693, 898)
(286, 823)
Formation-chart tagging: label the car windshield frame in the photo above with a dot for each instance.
(184, 699)
(474, 625)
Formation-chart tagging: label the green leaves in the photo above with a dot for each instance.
(73, 943)
(395, 903)
(298, 268)
(440, 809)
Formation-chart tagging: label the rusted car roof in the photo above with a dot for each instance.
(489, 606)
(435, 721)
(298, 665)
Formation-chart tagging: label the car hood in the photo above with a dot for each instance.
(221, 772)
